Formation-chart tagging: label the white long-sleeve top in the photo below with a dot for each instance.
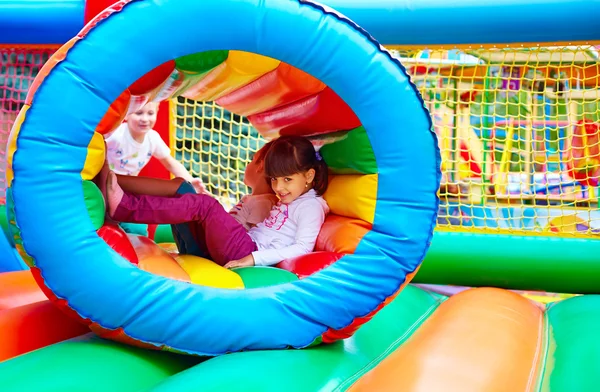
(291, 230)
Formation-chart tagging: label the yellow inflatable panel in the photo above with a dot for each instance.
(353, 196)
(94, 159)
(240, 69)
(206, 273)
(12, 144)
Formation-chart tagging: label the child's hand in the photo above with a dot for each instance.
(247, 261)
(198, 186)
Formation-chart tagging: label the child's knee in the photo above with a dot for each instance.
(177, 180)
(183, 186)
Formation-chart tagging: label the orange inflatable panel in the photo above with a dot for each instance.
(154, 259)
(340, 234)
(320, 113)
(238, 70)
(484, 340)
(18, 289)
(29, 327)
(282, 86)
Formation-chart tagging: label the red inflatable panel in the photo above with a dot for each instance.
(29, 327)
(279, 87)
(117, 239)
(317, 114)
(115, 114)
(310, 263)
(583, 153)
(18, 288)
(152, 79)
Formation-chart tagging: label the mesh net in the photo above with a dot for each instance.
(518, 130)
(18, 69)
(215, 145)
(517, 127)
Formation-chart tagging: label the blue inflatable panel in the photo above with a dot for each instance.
(40, 21)
(100, 285)
(9, 258)
(438, 22)
(391, 22)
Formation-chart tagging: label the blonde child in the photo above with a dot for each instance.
(133, 143)
(130, 147)
(298, 177)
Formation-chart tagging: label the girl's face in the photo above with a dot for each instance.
(291, 187)
(144, 119)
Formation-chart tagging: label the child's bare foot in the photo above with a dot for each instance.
(114, 194)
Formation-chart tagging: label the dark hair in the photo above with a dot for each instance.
(262, 152)
(289, 155)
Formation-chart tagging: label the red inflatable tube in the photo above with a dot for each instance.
(117, 239)
(153, 79)
(317, 114)
(284, 85)
(309, 264)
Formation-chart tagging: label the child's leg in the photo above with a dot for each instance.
(160, 209)
(127, 207)
(188, 236)
(224, 237)
(149, 186)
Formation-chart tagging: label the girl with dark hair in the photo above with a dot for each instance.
(298, 176)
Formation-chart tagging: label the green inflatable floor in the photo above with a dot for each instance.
(90, 364)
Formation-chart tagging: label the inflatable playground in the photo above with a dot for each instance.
(460, 253)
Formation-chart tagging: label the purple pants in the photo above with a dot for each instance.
(215, 231)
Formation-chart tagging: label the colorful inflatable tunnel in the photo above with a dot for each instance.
(292, 67)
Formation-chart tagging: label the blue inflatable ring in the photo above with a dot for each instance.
(103, 287)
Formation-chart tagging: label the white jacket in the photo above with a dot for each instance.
(291, 230)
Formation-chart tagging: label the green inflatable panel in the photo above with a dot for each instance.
(557, 265)
(202, 62)
(351, 155)
(94, 202)
(333, 367)
(573, 358)
(90, 364)
(13, 233)
(4, 221)
(163, 234)
(254, 277)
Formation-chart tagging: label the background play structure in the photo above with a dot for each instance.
(515, 107)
